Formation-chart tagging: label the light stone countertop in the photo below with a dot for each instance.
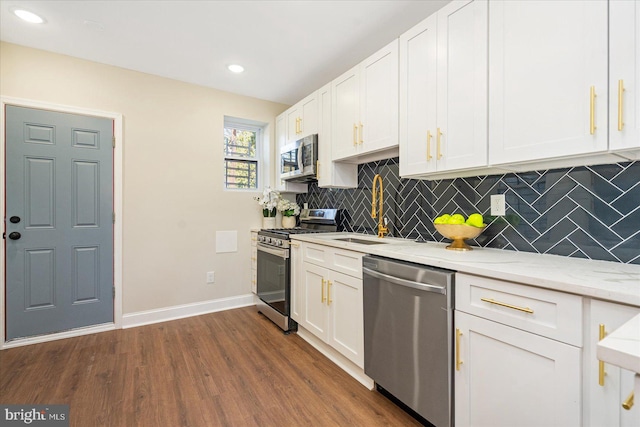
(610, 281)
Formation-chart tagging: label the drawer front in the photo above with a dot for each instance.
(340, 260)
(316, 254)
(347, 262)
(551, 314)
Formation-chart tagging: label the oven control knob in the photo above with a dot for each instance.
(279, 243)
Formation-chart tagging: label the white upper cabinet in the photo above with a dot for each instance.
(329, 173)
(547, 79)
(443, 91)
(365, 108)
(302, 118)
(281, 140)
(624, 74)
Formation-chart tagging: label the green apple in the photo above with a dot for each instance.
(456, 219)
(476, 220)
(442, 219)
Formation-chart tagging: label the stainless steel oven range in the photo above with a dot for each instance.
(274, 264)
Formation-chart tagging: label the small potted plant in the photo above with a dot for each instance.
(289, 211)
(269, 203)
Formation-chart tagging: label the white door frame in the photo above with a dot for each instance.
(117, 232)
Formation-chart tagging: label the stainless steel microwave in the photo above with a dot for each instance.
(298, 160)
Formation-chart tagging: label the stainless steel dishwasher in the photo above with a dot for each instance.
(408, 337)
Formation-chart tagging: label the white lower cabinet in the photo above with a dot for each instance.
(607, 386)
(328, 303)
(509, 377)
(516, 376)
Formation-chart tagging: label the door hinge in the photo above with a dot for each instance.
(113, 141)
(113, 217)
(114, 291)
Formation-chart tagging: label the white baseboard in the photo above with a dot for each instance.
(345, 364)
(140, 318)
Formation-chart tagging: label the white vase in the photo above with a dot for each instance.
(268, 222)
(288, 221)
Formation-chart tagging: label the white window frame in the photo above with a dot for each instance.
(262, 147)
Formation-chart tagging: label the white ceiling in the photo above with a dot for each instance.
(288, 48)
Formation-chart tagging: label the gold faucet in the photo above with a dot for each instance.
(382, 229)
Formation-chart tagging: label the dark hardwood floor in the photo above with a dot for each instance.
(232, 368)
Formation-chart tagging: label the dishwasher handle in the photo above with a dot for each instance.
(404, 282)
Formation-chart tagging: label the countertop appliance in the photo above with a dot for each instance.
(299, 160)
(274, 264)
(408, 335)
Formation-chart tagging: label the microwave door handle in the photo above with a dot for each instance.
(300, 165)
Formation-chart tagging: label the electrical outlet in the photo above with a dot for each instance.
(211, 277)
(497, 205)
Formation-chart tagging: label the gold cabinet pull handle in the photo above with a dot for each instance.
(361, 133)
(323, 297)
(628, 403)
(355, 134)
(295, 244)
(620, 92)
(601, 373)
(429, 156)
(458, 361)
(329, 300)
(438, 144)
(504, 304)
(300, 118)
(592, 110)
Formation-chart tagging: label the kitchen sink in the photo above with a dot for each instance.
(360, 241)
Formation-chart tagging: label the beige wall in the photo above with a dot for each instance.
(173, 197)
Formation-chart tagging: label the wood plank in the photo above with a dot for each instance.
(231, 368)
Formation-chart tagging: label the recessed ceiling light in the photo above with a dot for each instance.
(235, 68)
(25, 15)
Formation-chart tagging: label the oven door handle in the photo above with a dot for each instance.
(282, 253)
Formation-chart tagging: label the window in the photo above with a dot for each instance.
(242, 146)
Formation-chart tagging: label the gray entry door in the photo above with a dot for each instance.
(58, 221)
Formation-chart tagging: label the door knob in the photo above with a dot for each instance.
(14, 219)
(14, 235)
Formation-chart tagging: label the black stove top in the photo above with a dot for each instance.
(312, 221)
(296, 230)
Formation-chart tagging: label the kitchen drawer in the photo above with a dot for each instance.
(340, 260)
(551, 314)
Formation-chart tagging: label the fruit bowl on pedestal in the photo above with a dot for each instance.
(459, 233)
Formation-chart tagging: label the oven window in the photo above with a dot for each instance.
(289, 161)
(273, 281)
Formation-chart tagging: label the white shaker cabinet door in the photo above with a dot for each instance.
(624, 84)
(379, 100)
(548, 79)
(344, 297)
(418, 82)
(346, 114)
(607, 389)
(507, 377)
(314, 310)
(461, 133)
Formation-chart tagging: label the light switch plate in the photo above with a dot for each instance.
(497, 205)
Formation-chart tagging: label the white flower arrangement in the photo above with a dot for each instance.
(288, 208)
(269, 202)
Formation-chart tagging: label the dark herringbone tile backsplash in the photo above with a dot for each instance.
(586, 212)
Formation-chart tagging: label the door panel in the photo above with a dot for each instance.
(59, 175)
